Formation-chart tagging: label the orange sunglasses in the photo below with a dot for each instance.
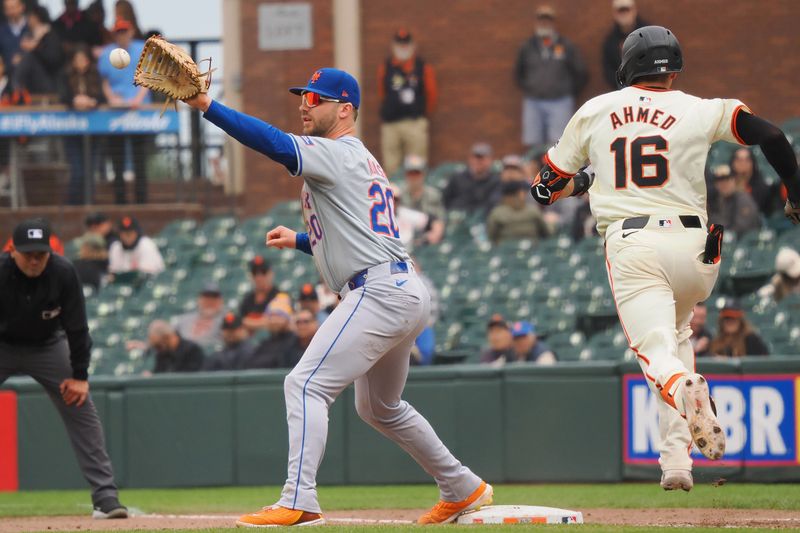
(314, 99)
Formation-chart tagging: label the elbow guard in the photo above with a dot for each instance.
(548, 185)
(583, 180)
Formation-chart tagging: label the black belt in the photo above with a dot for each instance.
(397, 267)
(688, 221)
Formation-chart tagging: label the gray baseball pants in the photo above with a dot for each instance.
(366, 340)
(49, 365)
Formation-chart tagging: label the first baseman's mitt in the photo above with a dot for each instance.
(167, 68)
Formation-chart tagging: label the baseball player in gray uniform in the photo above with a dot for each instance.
(352, 234)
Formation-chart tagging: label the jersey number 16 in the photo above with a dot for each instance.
(654, 161)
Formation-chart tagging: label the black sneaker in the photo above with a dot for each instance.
(109, 508)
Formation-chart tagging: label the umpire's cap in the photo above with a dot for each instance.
(334, 84)
(649, 50)
(32, 236)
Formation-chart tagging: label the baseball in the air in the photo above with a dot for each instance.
(119, 58)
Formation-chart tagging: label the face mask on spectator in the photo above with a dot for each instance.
(403, 52)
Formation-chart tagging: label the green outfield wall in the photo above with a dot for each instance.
(569, 422)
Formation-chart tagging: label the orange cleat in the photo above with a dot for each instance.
(445, 512)
(277, 516)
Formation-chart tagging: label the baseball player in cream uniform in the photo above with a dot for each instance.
(352, 234)
(647, 145)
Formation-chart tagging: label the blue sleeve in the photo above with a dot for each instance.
(303, 243)
(426, 343)
(255, 134)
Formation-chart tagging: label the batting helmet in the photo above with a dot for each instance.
(649, 50)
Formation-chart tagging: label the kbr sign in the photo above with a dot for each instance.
(759, 414)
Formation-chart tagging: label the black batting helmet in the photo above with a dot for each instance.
(649, 50)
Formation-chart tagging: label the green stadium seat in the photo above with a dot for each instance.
(566, 344)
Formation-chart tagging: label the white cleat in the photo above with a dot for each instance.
(677, 479)
(703, 426)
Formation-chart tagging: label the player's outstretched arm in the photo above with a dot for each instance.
(250, 131)
(778, 151)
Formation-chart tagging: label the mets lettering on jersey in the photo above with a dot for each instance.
(759, 414)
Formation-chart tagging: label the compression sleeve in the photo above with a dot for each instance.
(255, 134)
(303, 243)
(776, 147)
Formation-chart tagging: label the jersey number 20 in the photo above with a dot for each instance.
(653, 161)
(381, 214)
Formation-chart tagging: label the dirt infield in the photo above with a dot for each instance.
(629, 517)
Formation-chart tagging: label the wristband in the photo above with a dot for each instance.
(303, 243)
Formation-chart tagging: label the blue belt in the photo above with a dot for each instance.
(358, 280)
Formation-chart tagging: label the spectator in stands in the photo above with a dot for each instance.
(308, 300)
(123, 10)
(422, 352)
(583, 223)
(534, 163)
(550, 73)
(416, 228)
(732, 208)
(134, 252)
(12, 30)
(10, 95)
(173, 353)
(99, 224)
(38, 63)
(749, 180)
(786, 280)
(416, 194)
(95, 19)
(626, 19)
(204, 325)
(701, 337)
(237, 349)
(514, 169)
(501, 342)
(306, 325)
(477, 188)
(75, 28)
(120, 92)
(528, 347)
(6, 89)
(407, 93)
(280, 350)
(735, 335)
(328, 300)
(82, 90)
(255, 302)
(6, 99)
(92, 262)
(515, 217)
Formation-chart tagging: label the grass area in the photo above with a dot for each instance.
(244, 499)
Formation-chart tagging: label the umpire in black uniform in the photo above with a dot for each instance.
(44, 334)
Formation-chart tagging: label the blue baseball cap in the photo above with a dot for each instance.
(523, 328)
(332, 83)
